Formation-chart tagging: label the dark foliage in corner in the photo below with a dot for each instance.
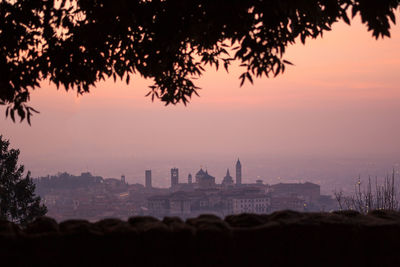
(18, 202)
(76, 43)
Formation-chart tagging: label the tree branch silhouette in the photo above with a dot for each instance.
(77, 43)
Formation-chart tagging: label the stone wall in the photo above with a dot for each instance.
(283, 238)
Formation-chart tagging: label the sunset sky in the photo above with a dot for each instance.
(341, 99)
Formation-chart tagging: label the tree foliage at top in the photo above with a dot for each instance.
(77, 43)
(18, 202)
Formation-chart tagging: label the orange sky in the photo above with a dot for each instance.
(340, 99)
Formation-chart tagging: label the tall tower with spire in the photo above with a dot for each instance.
(238, 172)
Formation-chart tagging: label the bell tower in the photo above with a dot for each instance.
(174, 177)
(238, 172)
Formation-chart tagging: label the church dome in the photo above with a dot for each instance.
(200, 173)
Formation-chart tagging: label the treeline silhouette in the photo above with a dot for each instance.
(66, 181)
(283, 238)
(77, 43)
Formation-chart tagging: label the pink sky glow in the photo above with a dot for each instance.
(342, 98)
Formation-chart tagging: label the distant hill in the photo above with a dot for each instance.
(66, 181)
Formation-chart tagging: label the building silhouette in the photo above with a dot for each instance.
(204, 180)
(148, 178)
(190, 179)
(228, 180)
(123, 179)
(174, 177)
(199, 194)
(309, 192)
(238, 173)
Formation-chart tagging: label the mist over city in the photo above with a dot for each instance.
(330, 173)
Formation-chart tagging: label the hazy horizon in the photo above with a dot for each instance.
(340, 101)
